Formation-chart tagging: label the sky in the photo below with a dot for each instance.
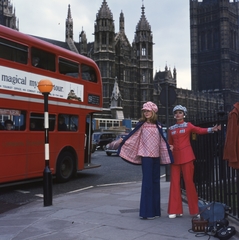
(169, 21)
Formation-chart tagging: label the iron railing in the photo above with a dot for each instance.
(214, 179)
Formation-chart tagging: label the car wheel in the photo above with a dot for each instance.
(108, 154)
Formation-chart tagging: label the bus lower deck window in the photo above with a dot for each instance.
(12, 119)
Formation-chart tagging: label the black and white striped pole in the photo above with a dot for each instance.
(45, 87)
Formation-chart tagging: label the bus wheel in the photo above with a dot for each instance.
(64, 167)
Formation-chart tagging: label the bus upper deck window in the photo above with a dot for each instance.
(43, 59)
(68, 68)
(88, 73)
(13, 51)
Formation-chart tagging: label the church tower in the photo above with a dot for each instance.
(143, 42)
(104, 50)
(69, 31)
(215, 48)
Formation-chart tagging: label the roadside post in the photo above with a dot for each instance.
(45, 87)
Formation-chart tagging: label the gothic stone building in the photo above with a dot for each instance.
(215, 48)
(200, 105)
(132, 64)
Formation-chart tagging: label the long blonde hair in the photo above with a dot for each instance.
(153, 118)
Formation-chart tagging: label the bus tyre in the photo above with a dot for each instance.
(65, 167)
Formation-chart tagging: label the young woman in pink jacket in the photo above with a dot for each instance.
(147, 146)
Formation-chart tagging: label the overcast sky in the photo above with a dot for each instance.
(169, 20)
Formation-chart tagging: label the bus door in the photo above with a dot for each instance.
(88, 140)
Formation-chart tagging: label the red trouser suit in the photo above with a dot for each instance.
(179, 137)
(175, 199)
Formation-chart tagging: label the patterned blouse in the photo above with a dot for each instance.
(149, 141)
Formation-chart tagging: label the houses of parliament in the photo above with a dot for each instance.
(214, 34)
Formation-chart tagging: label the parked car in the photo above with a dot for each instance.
(101, 139)
(114, 145)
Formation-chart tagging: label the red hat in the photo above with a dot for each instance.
(150, 106)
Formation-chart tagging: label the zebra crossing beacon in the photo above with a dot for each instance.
(24, 61)
(45, 87)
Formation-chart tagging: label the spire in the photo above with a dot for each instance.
(143, 23)
(104, 12)
(121, 22)
(83, 42)
(69, 24)
(143, 8)
(116, 96)
(174, 73)
(83, 36)
(69, 13)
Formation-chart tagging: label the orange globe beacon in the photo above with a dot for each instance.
(45, 86)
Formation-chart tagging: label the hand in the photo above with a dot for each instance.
(216, 128)
(171, 147)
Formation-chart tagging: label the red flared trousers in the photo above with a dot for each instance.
(175, 199)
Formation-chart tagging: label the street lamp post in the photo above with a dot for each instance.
(45, 87)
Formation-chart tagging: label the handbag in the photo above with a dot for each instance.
(212, 212)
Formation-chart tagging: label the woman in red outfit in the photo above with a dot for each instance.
(179, 137)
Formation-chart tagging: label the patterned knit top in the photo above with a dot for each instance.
(149, 141)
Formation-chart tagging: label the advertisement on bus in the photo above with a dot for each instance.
(21, 81)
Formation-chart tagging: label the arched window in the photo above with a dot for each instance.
(103, 38)
(143, 49)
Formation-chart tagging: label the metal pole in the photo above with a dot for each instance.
(89, 140)
(167, 167)
(47, 177)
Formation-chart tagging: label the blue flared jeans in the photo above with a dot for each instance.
(150, 190)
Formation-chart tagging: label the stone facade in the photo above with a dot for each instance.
(7, 15)
(214, 48)
(200, 105)
(132, 64)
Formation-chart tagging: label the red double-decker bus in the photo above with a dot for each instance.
(76, 95)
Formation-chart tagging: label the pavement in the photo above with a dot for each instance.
(103, 212)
